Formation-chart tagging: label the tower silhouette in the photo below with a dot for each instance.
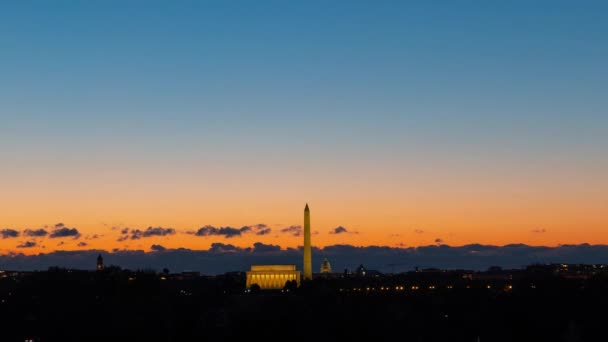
(99, 263)
(307, 247)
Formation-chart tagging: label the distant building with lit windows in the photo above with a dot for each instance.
(272, 277)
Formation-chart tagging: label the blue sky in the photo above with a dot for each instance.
(487, 95)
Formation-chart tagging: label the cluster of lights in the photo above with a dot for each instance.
(507, 287)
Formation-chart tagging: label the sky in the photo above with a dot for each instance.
(184, 124)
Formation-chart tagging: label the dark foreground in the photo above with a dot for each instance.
(88, 306)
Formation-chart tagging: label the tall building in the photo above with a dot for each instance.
(99, 263)
(307, 248)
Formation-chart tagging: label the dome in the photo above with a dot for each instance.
(325, 266)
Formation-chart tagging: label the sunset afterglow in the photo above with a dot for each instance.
(142, 130)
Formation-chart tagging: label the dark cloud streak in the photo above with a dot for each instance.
(64, 232)
(35, 232)
(151, 231)
(294, 230)
(227, 232)
(8, 233)
(339, 230)
(27, 244)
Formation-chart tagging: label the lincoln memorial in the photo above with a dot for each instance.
(270, 277)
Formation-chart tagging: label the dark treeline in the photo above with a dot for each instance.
(117, 305)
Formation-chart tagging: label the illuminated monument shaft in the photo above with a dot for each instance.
(307, 248)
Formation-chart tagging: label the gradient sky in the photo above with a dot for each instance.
(405, 123)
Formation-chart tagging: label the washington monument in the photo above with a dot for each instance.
(307, 248)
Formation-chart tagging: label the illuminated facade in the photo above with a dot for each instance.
(272, 277)
(307, 248)
(325, 266)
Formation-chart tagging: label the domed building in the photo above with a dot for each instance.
(325, 266)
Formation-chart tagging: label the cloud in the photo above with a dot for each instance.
(158, 248)
(151, 231)
(8, 233)
(418, 231)
(338, 230)
(539, 231)
(27, 244)
(227, 232)
(259, 247)
(264, 231)
(59, 225)
(294, 230)
(35, 232)
(64, 232)
(438, 241)
(230, 232)
(124, 231)
(82, 244)
(219, 247)
(123, 238)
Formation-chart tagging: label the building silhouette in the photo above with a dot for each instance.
(99, 263)
(361, 271)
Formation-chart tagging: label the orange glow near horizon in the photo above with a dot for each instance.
(408, 223)
(426, 208)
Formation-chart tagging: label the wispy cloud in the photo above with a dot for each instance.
(294, 230)
(27, 244)
(151, 231)
(227, 232)
(231, 232)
